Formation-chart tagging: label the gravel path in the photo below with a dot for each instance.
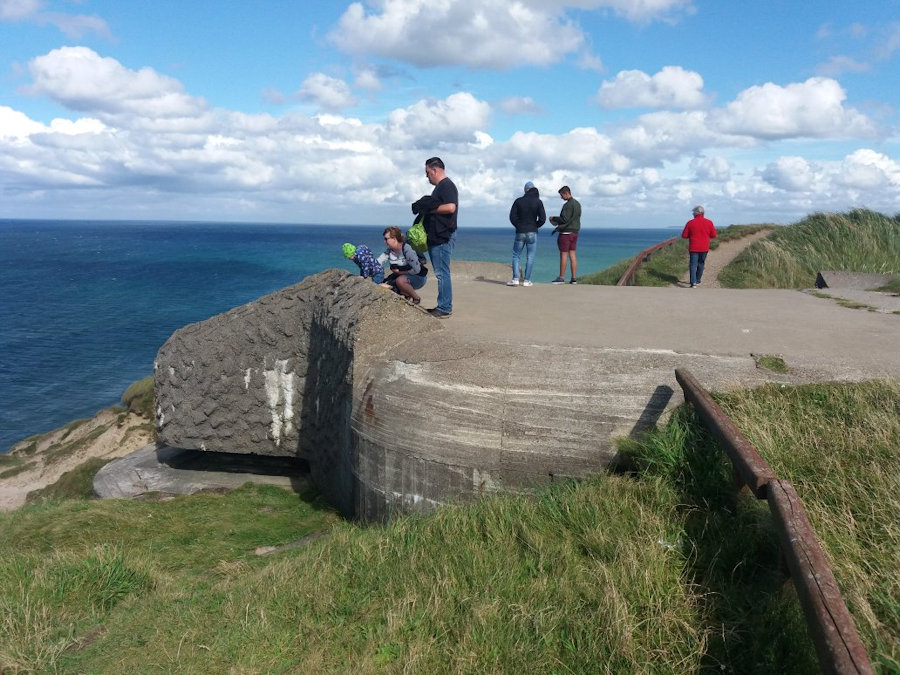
(717, 259)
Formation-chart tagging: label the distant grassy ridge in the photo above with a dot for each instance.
(667, 265)
(789, 257)
(857, 241)
(666, 570)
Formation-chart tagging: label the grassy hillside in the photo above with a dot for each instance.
(666, 266)
(857, 241)
(666, 570)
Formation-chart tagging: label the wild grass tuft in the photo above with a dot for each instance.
(771, 362)
(839, 444)
(46, 597)
(858, 241)
(138, 398)
(75, 484)
(15, 468)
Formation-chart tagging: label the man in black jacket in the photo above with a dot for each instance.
(440, 211)
(527, 215)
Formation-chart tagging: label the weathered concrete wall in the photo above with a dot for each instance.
(394, 412)
(275, 376)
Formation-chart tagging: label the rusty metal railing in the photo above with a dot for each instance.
(830, 625)
(627, 278)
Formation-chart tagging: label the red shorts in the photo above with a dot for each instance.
(567, 242)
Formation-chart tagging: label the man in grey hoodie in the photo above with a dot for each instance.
(527, 215)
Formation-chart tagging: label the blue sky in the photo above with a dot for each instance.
(325, 112)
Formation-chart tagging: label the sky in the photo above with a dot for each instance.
(325, 112)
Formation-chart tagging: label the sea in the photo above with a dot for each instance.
(84, 305)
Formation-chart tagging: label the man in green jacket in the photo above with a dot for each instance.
(568, 223)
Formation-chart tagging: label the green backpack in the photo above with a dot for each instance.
(416, 236)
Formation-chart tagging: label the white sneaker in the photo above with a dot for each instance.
(527, 283)
(512, 282)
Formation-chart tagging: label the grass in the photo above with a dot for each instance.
(563, 582)
(838, 444)
(893, 286)
(668, 265)
(138, 398)
(81, 580)
(16, 467)
(75, 484)
(770, 362)
(858, 241)
(666, 570)
(843, 302)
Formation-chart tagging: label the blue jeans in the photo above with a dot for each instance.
(440, 262)
(698, 262)
(528, 241)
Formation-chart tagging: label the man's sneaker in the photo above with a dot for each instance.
(527, 283)
(574, 281)
(512, 282)
(698, 283)
(558, 280)
(439, 313)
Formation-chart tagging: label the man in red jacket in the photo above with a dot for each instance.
(699, 230)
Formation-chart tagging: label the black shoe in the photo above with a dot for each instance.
(574, 281)
(439, 313)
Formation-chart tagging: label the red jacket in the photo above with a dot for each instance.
(699, 230)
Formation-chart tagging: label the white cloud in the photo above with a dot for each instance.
(793, 174)
(589, 61)
(429, 123)
(579, 150)
(519, 105)
(716, 169)
(890, 42)
(368, 80)
(493, 34)
(73, 25)
(328, 93)
(273, 96)
(16, 10)
(14, 124)
(866, 169)
(813, 109)
(671, 87)
(668, 136)
(206, 163)
(80, 79)
(842, 64)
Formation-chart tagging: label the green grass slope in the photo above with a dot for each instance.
(667, 265)
(857, 241)
(664, 570)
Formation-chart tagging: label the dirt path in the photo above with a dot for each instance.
(717, 259)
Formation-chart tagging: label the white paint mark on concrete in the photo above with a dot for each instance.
(279, 383)
(247, 379)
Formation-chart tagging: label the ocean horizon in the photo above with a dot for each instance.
(85, 305)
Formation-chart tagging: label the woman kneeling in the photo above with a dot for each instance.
(408, 271)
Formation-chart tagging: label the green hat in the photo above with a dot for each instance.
(349, 250)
